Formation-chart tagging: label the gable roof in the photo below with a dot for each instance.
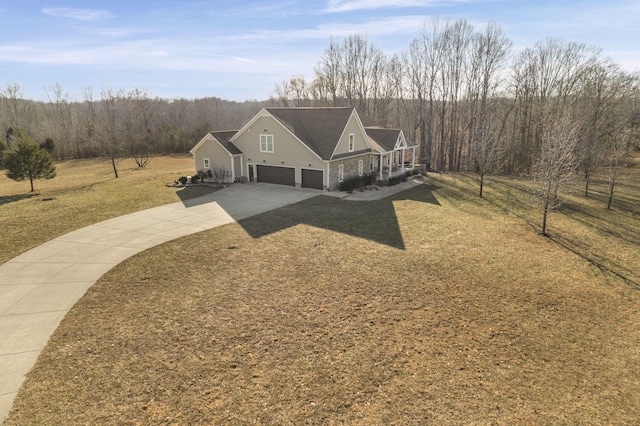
(318, 128)
(385, 139)
(223, 137)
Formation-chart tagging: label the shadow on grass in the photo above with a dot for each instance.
(13, 198)
(371, 220)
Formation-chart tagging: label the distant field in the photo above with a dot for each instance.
(85, 192)
(431, 307)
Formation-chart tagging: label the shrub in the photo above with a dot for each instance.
(397, 179)
(183, 180)
(202, 174)
(195, 179)
(355, 182)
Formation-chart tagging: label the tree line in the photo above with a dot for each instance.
(112, 122)
(463, 93)
(475, 105)
(471, 102)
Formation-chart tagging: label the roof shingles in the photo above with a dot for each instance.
(223, 137)
(318, 128)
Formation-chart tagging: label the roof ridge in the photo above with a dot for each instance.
(270, 108)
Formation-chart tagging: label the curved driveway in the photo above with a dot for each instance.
(39, 287)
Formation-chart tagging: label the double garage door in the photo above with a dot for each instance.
(287, 176)
(277, 175)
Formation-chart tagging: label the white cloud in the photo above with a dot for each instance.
(380, 27)
(335, 6)
(121, 32)
(79, 14)
(141, 54)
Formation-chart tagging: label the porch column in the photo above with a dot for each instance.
(402, 160)
(233, 169)
(328, 176)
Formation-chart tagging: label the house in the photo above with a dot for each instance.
(305, 147)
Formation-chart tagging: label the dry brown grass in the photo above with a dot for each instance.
(284, 320)
(85, 192)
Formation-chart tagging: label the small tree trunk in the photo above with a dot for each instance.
(31, 182)
(586, 183)
(611, 186)
(547, 201)
(481, 183)
(115, 169)
(586, 188)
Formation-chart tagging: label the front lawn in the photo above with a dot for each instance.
(433, 307)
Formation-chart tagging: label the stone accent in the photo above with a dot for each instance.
(350, 168)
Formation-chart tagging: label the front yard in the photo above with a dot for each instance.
(432, 307)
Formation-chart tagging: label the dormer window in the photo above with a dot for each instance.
(351, 142)
(266, 143)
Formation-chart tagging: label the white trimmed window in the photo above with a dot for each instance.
(206, 163)
(360, 167)
(266, 143)
(340, 172)
(351, 142)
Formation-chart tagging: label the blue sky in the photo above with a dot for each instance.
(239, 49)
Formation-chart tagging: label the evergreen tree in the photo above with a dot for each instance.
(26, 160)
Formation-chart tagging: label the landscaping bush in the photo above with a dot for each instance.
(355, 182)
(195, 179)
(183, 180)
(397, 179)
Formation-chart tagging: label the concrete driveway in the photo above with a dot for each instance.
(38, 288)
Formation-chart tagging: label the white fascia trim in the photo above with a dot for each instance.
(400, 142)
(199, 144)
(263, 113)
(292, 134)
(362, 130)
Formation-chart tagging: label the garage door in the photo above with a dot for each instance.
(312, 179)
(279, 175)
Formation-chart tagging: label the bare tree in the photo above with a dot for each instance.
(110, 126)
(58, 120)
(546, 79)
(292, 92)
(138, 114)
(328, 74)
(556, 162)
(488, 151)
(604, 91)
(616, 158)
